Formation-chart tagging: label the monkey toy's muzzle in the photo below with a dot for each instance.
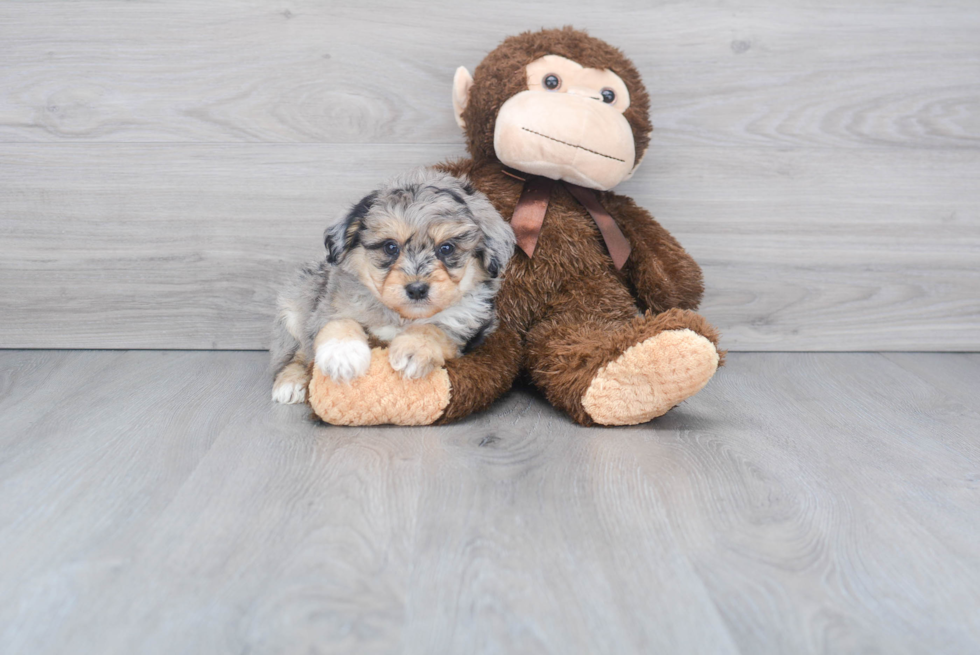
(564, 136)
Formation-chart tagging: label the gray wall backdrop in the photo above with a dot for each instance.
(162, 165)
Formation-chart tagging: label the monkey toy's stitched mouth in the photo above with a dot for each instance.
(572, 145)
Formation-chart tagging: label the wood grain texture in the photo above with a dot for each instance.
(162, 246)
(163, 164)
(159, 502)
(865, 74)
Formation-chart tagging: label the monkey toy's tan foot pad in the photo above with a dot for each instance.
(650, 378)
(381, 396)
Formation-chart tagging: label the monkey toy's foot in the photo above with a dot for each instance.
(381, 396)
(650, 378)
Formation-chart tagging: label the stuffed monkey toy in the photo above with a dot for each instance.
(597, 305)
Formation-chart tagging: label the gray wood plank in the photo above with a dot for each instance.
(820, 456)
(322, 531)
(522, 517)
(158, 502)
(182, 246)
(872, 73)
(819, 161)
(168, 246)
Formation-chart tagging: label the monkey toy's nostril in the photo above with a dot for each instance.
(417, 290)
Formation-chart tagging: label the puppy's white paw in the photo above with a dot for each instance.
(343, 360)
(289, 392)
(290, 384)
(413, 360)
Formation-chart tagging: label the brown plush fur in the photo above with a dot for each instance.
(567, 312)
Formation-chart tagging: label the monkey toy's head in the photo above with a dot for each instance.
(556, 103)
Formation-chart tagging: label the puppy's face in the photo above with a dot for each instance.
(422, 243)
(417, 270)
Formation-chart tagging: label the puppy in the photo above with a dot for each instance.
(416, 264)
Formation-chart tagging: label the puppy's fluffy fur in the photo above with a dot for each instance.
(416, 263)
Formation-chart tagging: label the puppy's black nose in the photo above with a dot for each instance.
(417, 290)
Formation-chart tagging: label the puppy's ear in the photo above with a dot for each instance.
(498, 239)
(340, 238)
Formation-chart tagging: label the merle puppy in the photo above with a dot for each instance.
(416, 264)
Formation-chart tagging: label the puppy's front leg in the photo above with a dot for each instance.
(419, 349)
(342, 350)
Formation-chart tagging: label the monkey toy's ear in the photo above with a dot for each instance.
(341, 237)
(462, 82)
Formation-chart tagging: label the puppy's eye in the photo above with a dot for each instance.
(447, 249)
(390, 248)
(551, 81)
(608, 96)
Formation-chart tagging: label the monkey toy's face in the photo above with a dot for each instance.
(567, 125)
(566, 122)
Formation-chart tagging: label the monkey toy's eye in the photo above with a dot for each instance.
(608, 96)
(390, 248)
(551, 82)
(447, 249)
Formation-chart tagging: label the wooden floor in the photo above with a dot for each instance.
(157, 502)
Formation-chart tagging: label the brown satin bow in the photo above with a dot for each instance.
(530, 210)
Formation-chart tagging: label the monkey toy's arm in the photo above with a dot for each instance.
(483, 375)
(663, 275)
